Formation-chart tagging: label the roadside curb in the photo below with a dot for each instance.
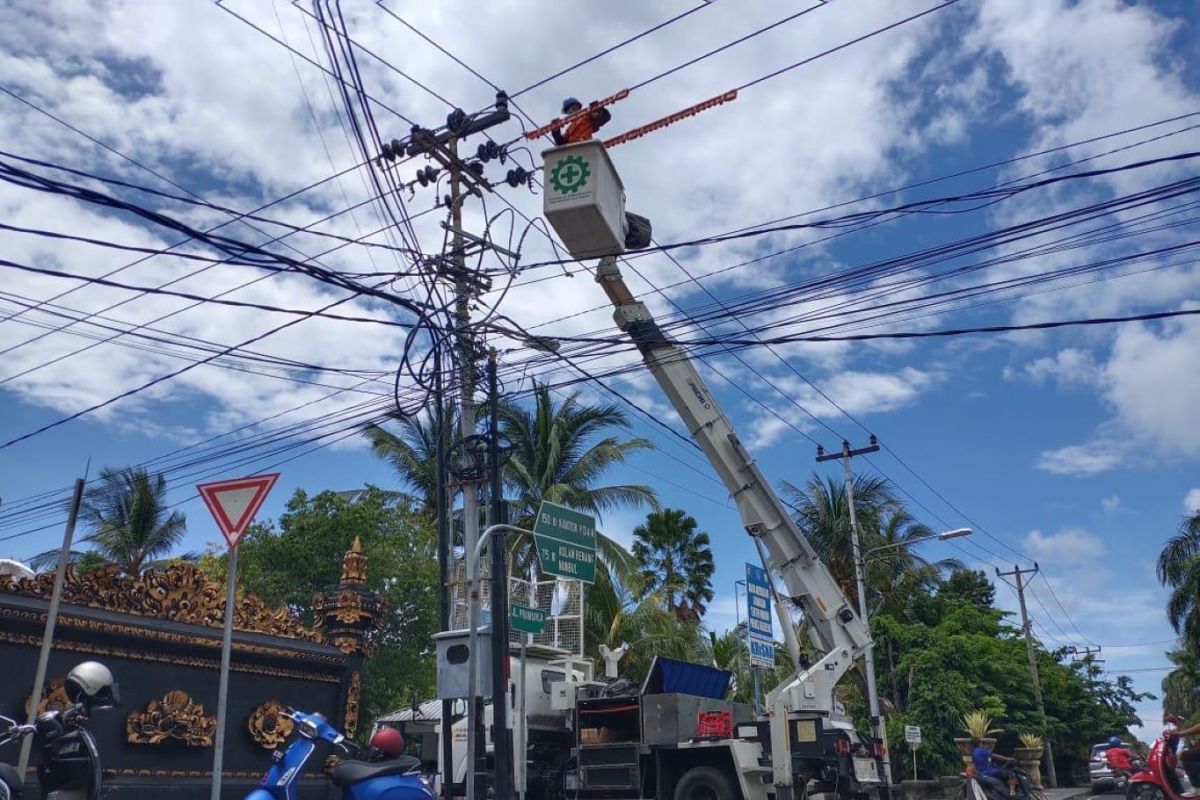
(1070, 793)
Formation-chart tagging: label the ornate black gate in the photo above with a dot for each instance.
(160, 635)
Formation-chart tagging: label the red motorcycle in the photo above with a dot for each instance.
(1159, 779)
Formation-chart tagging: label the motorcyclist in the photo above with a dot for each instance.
(1120, 760)
(983, 759)
(583, 127)
(1190, 756)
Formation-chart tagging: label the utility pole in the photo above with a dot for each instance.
(1019, 574)
(444, 547)
(500, 659)
(1088, 657)
(442, 146)
(878, 729)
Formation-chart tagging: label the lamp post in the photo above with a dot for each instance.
(860, 574)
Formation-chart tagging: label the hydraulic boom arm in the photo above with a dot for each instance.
(836, 630)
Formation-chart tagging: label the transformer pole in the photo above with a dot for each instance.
(1031, 649)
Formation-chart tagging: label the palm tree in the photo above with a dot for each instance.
(412, 452)
(1179, 568)
(823, 514)
(676, 562)
(1180, 683)
(618, 615)
(559, 452)
(129, 520)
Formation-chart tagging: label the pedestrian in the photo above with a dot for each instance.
(583, 127)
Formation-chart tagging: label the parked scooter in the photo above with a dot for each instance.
(983, 787)
(393, 777)
(1159, 777)
(70, 762)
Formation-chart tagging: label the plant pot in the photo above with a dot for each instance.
(1030, 759)
(964, 749)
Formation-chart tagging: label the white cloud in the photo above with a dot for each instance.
(1111, 503)
(1082, 460)
(1069, 545)
(1069, 367)
(1191, 501)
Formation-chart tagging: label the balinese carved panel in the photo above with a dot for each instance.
(268, 727)
(54, 698)
(176, 718)
(180, 593)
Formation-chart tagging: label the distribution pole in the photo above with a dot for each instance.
(465, 344)
(1088, 657)
(878, 730)
(502, 745)
(442, 507)
(1026, 627)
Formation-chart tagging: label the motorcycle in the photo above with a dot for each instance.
(394, 778)
(1158, 778)
(70, 761)
(985, 787)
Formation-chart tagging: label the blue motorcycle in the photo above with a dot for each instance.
(395, 777)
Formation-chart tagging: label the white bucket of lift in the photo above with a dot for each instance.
(584, 199)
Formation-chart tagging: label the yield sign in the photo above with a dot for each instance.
(234, 503)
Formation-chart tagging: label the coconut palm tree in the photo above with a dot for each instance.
(1179, 684)
(130, 521)
(618, 615)
(1179, 568)
(412, 451)
(676, 561)
(823, 514)
(559, 452)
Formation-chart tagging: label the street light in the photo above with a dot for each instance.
(860, 570)
(955, 533)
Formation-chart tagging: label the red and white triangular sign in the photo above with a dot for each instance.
(234, 503)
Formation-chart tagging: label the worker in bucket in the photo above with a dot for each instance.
(582, 127)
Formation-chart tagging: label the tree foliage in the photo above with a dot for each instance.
(288, 562)
(676, 562)
(129, 521)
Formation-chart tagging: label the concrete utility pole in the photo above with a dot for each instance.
(1019, 574)
(443, 147)
(878, 729)
(500, 660)
(1088, 656)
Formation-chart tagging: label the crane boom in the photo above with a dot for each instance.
(835, 629)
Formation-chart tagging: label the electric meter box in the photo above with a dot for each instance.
(584, 199)
(453, 647)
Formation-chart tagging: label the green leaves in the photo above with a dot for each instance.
(676, 562)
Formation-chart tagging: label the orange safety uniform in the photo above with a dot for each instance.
(583, 127)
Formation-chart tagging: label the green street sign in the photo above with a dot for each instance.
(566, 542)
(526, 619)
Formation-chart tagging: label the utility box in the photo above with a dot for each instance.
(584, 199)
(453, 649)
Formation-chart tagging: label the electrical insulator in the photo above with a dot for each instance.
(516, 177)
(503, 153)
(501, 101)
(489, 150)
(388, 152)
(456, 119)
(446, 201)
(427, 176)
(476, 167)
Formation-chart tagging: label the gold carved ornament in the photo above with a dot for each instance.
(352, 695)
(180, 593)
(176, 718)
(54, 698)
(268, 727)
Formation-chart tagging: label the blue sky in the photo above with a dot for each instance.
(1076, 448)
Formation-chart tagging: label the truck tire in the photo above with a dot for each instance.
(705, 783)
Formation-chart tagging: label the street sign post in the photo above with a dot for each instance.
(759, 624)
(233, 505)
(526, 619)
(566, 542)
(912, 735)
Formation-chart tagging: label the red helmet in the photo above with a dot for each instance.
(388, 741)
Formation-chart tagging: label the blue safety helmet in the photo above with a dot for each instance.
(570, 101)
(1114, 741)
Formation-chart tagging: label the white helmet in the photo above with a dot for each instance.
(92, 684)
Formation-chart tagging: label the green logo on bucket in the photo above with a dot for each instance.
(570, 175)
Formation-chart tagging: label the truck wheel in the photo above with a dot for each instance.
(705, 783)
